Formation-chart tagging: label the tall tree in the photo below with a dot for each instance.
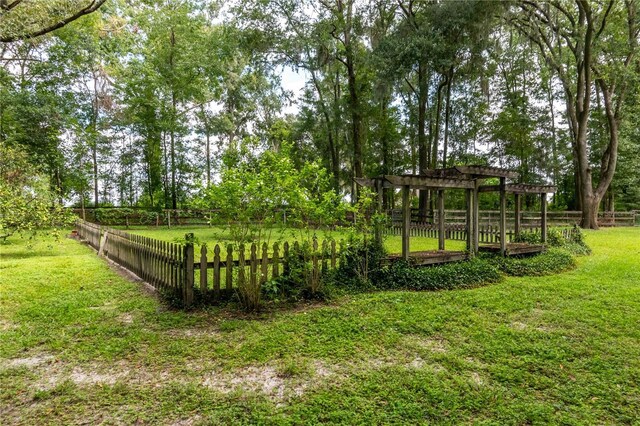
(587, 44)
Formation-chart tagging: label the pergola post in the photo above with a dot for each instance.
(517, 218)
(441, 228)
(503, 217)
(476, 217)
(406, 220)
(378, 230)
(543, 217)
(469, 200)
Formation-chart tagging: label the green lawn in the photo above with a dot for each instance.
(215, 235)
(81, 345)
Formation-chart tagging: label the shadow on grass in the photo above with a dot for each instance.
(27, 254)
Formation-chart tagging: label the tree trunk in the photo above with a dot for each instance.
(590, 214)
(447, 114)
(354, 96)
(165, 174)
(436, 134)
(208, 158)
(333, 151)
(94, 158)
(423, 149)
(174, 194)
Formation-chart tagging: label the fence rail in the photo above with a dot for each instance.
(527, 218)
(142, 216)
(458, 232)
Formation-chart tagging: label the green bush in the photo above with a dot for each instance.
(120, 216)
(578, 249)
(529, 237)
(401, 276)
(359, 260)
(573, 243)
(576, 244)
(552, 261)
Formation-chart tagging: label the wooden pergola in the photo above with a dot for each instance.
(519, 189)
(469, 178)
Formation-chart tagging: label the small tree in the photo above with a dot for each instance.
(262, 194)
(27, 204)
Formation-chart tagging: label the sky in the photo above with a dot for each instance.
(293, 81)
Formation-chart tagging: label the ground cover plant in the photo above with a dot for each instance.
(402, 276)
(81, 344)
(552, 261)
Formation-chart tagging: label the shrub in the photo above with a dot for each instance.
(28, 205)
(553, 261)
(359, 259)
(576, 244)
(573, 243)
(401, 276)
(578, 249)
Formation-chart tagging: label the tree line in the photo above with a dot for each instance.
(149, 103)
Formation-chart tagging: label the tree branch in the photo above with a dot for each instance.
(5, 6)
(92, 7)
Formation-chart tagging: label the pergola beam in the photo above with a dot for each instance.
(424, 182)
(415, 182)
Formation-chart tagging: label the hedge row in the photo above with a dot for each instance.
(551, 262)
(444, 277)
(478, 271)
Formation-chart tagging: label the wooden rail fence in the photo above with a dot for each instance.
(527, 218)
(141, 216)
(458, 232)
(173, 268)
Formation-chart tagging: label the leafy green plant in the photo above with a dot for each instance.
(402, 276)
(265, 197)
(573, 242)
(27, 203)
(360, 257)
(553, 261)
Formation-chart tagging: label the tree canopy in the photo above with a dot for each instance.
(143, 103)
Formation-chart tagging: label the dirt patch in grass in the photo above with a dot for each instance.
(264, 379)
(6, 325)
(126, 318)
(417, 363)
(29, 362)
(517, 325)
(273, 382)
(268, 380)
(86, 375)
(477, 379)
(193, 332)
(433, 344)
(187, 422)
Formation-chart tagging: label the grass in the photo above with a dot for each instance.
(81, 344)
(217, 235)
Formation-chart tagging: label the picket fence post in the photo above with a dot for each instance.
(188, 271)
